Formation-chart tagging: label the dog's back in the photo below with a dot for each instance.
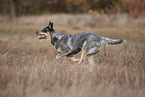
(71, 44)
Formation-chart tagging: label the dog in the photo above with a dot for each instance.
(70, 44)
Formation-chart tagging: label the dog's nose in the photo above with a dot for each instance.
(37, 32)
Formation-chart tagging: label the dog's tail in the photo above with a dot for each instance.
(112, 41)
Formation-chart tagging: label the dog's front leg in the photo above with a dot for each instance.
(62, 54)
(74, 59)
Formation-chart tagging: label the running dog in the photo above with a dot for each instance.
(70, 44)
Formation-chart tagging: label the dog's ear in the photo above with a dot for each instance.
(50, 25)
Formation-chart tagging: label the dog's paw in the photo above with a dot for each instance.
(76, 60)
(80, 61)
(57, 57)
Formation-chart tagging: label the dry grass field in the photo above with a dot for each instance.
(28, 67)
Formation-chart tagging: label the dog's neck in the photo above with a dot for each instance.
(55, 36)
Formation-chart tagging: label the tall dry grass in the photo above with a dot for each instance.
(28, 67)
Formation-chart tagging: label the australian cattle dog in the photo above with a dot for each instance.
(70, 44)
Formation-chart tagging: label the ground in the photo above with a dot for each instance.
(29, 68)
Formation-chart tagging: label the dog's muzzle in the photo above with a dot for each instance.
(37, 32)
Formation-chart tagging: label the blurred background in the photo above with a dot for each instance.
(29, 68)
(103, 17)
(15, 8)
(103, 11)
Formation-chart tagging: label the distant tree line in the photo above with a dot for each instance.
(16, 8)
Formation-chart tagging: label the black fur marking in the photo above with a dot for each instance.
(54, 40)
(74, 52)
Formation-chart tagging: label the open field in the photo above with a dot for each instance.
(28, 67)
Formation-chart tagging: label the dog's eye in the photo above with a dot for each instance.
(44, 30)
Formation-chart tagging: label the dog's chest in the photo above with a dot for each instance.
(57, 47)
(69, 43)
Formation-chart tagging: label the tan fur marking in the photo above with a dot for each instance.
(83, 54)
(74, 59)
(57, 57)
(59, 49)
(48, 36)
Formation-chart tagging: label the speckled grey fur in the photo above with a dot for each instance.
(73, 43)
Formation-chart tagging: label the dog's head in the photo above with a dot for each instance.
(45, 32)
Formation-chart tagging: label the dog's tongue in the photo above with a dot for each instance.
(41, 36)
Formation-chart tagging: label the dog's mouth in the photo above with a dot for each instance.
(41, 35)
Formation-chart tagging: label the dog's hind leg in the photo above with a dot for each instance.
(83, 54)
(91, 59)
(90, 54)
